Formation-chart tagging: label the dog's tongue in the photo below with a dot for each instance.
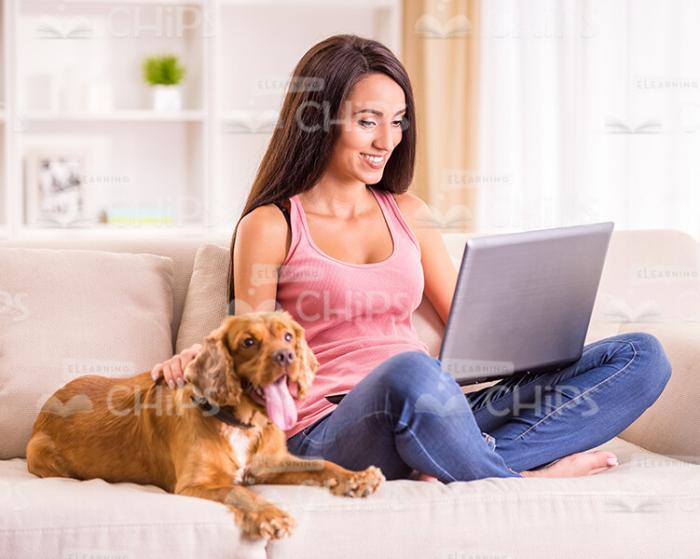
(280, 405)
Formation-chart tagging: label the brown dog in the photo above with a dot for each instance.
(221, 431)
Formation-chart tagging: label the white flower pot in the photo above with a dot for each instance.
(167, 98)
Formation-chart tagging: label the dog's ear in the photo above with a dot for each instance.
(307, 364)
(212, 370)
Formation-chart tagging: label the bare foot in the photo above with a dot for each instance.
(426, 477)
(575, 465)
(420, 476)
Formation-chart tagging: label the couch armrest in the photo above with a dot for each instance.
(429, 326)
(671, 426)
(651, 283)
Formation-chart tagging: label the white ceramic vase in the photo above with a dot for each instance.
(167, 98)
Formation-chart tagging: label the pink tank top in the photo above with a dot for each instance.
(355, 316)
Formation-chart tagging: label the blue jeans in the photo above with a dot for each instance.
(409, 414)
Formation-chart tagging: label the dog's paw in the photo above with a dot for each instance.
(269, 523)
(358, 484)
(248, 478)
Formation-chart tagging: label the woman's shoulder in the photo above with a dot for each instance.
(267, 228)
(267, 217)
(410, 204)
(415, 211)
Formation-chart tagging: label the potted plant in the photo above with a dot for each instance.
(164, 74)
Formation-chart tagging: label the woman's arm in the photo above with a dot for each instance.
(438, 270)
(260, 249)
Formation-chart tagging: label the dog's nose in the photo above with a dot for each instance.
(283, 357)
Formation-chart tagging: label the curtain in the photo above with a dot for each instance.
(589, 111)
(439, 50)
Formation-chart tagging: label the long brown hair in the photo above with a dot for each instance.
(303, 141)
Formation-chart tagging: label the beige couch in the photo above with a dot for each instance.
(647, 507)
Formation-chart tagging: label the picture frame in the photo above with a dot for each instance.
(54, 188)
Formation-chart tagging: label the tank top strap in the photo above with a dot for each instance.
(296, 226)
(285, 212)
(397, 218)
(397, 224)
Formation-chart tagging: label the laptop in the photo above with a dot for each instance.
(523, 302)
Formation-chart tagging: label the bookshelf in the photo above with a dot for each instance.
(71, 91)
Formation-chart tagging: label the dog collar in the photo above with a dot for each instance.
(223, 414)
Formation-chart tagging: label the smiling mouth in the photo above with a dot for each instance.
(257, 393)
(375, 161)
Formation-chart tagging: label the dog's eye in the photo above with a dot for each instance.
(248, 342)
(288, 337)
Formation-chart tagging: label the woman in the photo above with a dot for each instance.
(354, 262)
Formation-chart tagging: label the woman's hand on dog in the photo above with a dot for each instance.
(173, 370)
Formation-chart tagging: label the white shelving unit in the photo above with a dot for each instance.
(117, 116)
(193, 166)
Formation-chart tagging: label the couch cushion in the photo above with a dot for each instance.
(649, 503)
(67, 313)
(206, 304)
(180, 248)
(71, 519)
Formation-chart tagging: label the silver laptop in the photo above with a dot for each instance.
(523, 302)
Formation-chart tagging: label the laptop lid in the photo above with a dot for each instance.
(523, 302)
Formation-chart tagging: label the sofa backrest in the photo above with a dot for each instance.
(631, 287)
(650, 283)
(181, 250)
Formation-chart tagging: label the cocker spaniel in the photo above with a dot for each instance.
(220, 432)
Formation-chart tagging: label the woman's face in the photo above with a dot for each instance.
(370, 129)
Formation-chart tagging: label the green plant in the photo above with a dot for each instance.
(162, 70)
